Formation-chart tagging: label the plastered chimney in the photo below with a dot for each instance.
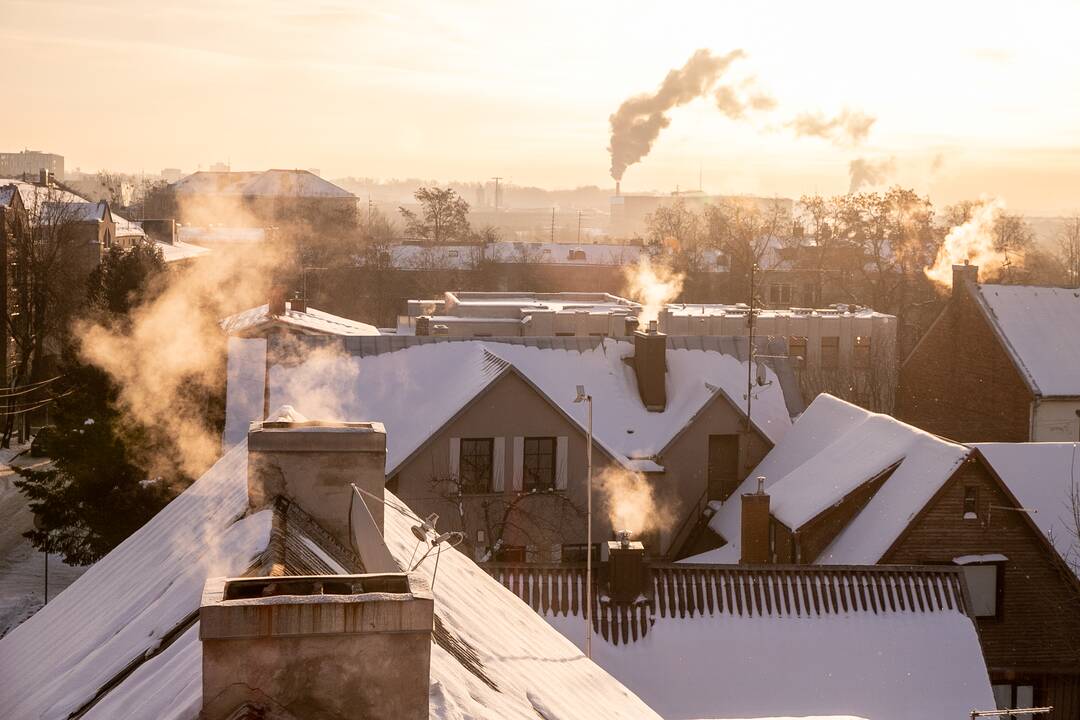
(755, 526)
(964, 274)
(277, 301)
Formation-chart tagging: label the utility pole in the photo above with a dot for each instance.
(750, 351)
(552, 225)
(496, 179)
(579, 227)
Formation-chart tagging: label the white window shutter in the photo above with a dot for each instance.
(519, 462)
(498, 464)
(560, 462)
(455, 457)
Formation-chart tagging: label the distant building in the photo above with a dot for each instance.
(628, 212)
(1001, 363)
(31, 163)
(171, 174)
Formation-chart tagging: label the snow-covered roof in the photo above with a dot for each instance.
(1040, 329)
(883, 643)
(1044, 477)
(37, 199)
(125, 620)
(70, 211)
(269, 183)
(310, 320)
(608, 254)
(186, 233)
(832, 449)
(741, 309)
(7, 194)
(177, 251)
(416, 390)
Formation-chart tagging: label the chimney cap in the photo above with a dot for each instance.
(315, 436)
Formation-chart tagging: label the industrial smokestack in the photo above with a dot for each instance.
(617, 190)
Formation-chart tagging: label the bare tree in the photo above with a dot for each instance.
(443, 216)
(1068, 242)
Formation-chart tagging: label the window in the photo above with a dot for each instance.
(971, 502)
(780, 294)
(723, 466)
(538, 464)
(797, 351)
(984, 587)
(810, 295)
(862, 352)
(475, 468)
(510, 553)
(830, 352)
(564, 334)
(576, 553)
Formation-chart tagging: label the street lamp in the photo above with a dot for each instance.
(582, 397)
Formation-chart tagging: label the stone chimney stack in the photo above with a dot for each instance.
(650, 367)
(962, 274)
(330, 646)
(755, 526)
(313, 463)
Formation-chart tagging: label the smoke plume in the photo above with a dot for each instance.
(169, 355)
(654, 286)
(638, 121)
(631, 502)
(729, 101)
(849, 128)
(973, 242)
(869, 173)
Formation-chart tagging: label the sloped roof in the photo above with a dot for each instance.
(268, 183)
(833, 448)
(7, 194)
(416, 390)
(116, 614)
(1044, 477)
(311, 320)
(177, 251)
(1040, 329)
(36, 199)
(715, 641)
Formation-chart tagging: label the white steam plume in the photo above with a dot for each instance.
(638, 121)
(631, 502)
(654, 286)
(972, 242)
(870, 173)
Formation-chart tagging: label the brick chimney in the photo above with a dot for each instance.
(755, 526)
(298, 304)
(628, 574)
(964, 274)
(277, 301)
(331, 646)
(650, 366)
(313, 463)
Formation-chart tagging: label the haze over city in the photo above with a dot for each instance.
(969, 98)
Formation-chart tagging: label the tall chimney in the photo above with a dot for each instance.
(964, 274)
(314, 464)
(755, 526)
(330, 646)
(650, 367)
(617, 189)
(277, 301)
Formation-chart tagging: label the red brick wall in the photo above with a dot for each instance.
(960, 382)
(1038, 633)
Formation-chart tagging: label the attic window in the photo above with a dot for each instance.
(971, 502)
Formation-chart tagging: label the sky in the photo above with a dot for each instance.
(971, 99)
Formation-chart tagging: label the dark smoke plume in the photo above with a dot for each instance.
(638, 121)
(850, 127)
(864, 171)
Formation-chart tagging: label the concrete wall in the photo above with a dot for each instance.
(511, 408)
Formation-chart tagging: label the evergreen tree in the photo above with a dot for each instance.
(97, 491)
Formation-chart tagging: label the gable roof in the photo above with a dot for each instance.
(1044, 477)
(708, 641)
(258, 319)
(415, 391)
(833, 448)
(1040, 329)
(268, 183)
(133, 617)
(37, 199)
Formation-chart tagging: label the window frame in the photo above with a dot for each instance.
(999, 590)
(472, 488)
(971, 492)
(530, 482)
(834, 347)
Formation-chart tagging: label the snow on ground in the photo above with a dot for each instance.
(892, 666)
(22, 568)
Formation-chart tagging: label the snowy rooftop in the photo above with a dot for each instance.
(36, 199)
(269, 183)
(833, 448)
(741, 309)
(1044, 477)
(881, 642)
(122, 641)
(475, 303)
(177, 251)
(416, 390)
(310, 320)
(1040, 328)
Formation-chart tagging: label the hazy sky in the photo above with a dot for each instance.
(971, 98)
